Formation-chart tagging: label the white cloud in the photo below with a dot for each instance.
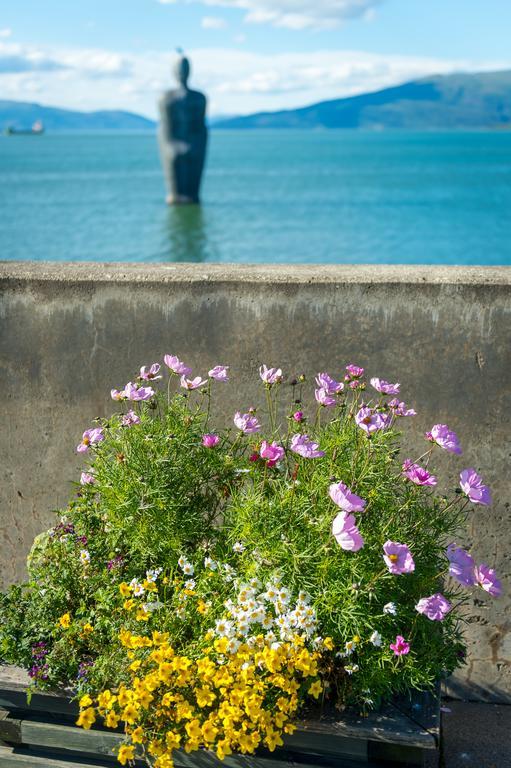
(236, 81)
(5, 32)
(296, 14)
(213, 22)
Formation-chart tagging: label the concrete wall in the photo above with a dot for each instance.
(70, 332)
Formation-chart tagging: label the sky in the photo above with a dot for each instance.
(247, 55)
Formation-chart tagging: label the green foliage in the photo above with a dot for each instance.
(159, 494)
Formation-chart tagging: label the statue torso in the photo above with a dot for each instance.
(182, 115)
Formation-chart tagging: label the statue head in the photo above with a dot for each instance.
(182, 70)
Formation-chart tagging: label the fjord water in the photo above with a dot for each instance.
(268, 196)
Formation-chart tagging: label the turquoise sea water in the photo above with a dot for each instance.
(276, 196)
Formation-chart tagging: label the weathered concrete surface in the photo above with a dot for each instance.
(70, 332)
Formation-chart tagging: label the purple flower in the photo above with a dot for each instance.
(86, 478)
(445, 438)
(150, 374)
(346, 533)
(90, 437)
(461, 565)
(303, 446)
(219, 372)
(436, 607)
(417, 474)
(487, 579)
(345, 499)
(400, 409)
(174, 363)
(354, 371)
(129, 419)
(472, 485)
(323, 398)
(384, 387)
(398, 558)
(298, 416)
(270, 375)
(135, 393)
(192, 383)
(210, 440)
(371, 421)
(331, 386)
(246, 422)
(272, 452)
(118, 394)
(400, 646)
(116, 562)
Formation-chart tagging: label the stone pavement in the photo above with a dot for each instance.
(475, 735)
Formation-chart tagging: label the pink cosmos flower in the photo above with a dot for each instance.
(436, 607)
(118, 394)
(210, 440)
(90, 437)
(354, 371)
(384, 387)
(323, 398)
(298, 416)
(400, 409)
(331, 386)
(86, 478)
(346, 533)
(398, 558)
(472, 485)
(400, 646)
(129, 419)
(487, 579)
(270, 375)
(418, 474)
(136, 393)
(345, 499)
(461, 565)
(219, 373)
(303, 446)
(371, 421)
(174, 363)
(150, 374)
(272, 452)
(246, 422)
(192, 383)
(445, 438)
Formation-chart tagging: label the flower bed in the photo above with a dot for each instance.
(205, 584)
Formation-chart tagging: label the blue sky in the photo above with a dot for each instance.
(247, 54)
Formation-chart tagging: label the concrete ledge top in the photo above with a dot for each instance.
(73, 272)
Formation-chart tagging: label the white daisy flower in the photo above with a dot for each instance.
(210, 563)
(375, 639)
(238, 547)
(390, 608)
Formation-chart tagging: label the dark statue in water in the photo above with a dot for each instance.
(182, 137)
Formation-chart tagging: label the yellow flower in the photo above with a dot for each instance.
(202, 607)
(316, 689)
(205, 697)
(135, 665)
(209, 732)
(142, 615)
(356, 638)
(87, 629)
(85, 701)
(137, 736)
(273, 739)
(86, 718)
(65, 620)
(130, 714)
(124, 589)
(193, 730)
(125, 753)
(223, 748)
(128, 605)
(112, 720)
(328, 643)
(105, 699)
(172, 740)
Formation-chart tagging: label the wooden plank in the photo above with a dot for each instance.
(22, 758)
(328, 734)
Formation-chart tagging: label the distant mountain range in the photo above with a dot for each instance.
(460, 101)
(21, 115)
(470, 101)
